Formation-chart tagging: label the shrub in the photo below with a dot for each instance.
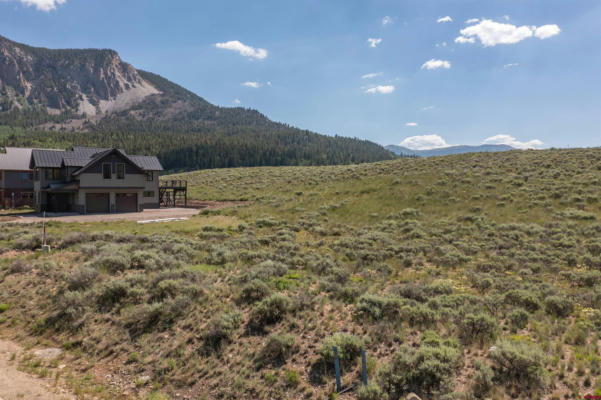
(520, 362)
(82, 277)
(483, 379)
(523, 298)
(254, 291)
(377, 308)
(19, 266)
(349, 348)
(111, 262)
(425, 370)
(221, 328)
(270, 310)
(71, 306)
(519, 318)
(479, 327)
(29, 242)
(559, 306)
(113, 292)
(73, 238)
(291, 378)
(3, 308)
(268, 269)
(371, 392)
(170, 288)
(419, 315)
(148, 317)
(277, 349)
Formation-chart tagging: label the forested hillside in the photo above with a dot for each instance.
(58, 98)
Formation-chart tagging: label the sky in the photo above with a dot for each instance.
(421, 73)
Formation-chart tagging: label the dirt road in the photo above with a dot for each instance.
(17, 385)
(149, 214)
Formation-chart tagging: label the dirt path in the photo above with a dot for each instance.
(17, 385)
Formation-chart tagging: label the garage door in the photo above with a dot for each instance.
(126, 202)
(97, 202)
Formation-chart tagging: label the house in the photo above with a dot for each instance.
(16, 178)
(94, 180)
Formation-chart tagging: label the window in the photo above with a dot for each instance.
(106, 171)
(120, 171)
(149, 193)
(149, 176)
(53, 174)
(27, 195)
(26, 176)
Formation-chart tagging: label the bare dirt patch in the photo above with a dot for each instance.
(15, 384)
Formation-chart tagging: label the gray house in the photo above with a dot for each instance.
(16, 178)
(94, 180)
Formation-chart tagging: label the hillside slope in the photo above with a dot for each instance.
(464, 277)
(91, 97)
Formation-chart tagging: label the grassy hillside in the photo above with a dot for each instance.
(464, 277)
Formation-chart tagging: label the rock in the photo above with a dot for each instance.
(48, 354)
(144, 379)
(412, 396)
(62, 366)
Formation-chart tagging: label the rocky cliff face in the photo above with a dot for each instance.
(81, 81)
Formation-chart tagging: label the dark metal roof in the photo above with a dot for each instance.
(147, 163)
(86, 156)
(47, 158)
(15, 159)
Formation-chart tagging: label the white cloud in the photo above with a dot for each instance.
(244, 50)
(491, 33)
(371, 75)
(546, 31)
(373, 42)
(472, 20)
(443, 44)
(435, 64)
(463, 39)
(411, 124)
(424, 142)
(511, 141)
(237, 101)
(43, 5)
(511, 65)
(444, 19)
(254, 85)
(428, 108)
(268, 83)
(387, 20)
(380, 89)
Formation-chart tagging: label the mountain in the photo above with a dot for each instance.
(91, 97)
(443, 151)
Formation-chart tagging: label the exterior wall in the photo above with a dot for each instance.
(152, 186)
(14, 190)
(95, 180)
(17, 180)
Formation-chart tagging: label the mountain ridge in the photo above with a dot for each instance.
(91, 97)
(443, 151)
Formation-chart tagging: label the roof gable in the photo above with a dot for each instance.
(99, 157)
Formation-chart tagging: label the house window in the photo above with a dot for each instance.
(120, 171)
(149, 176)
(149, 193)
(27, 195)
(106, 171)
(26, 176)
(53, 174)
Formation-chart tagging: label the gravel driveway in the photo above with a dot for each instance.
(161, 213)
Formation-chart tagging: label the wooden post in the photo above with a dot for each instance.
(337, 369)
(364, 366)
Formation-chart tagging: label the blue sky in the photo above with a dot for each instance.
(527, 72)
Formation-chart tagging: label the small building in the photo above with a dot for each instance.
(94, 180)
(16, 178)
